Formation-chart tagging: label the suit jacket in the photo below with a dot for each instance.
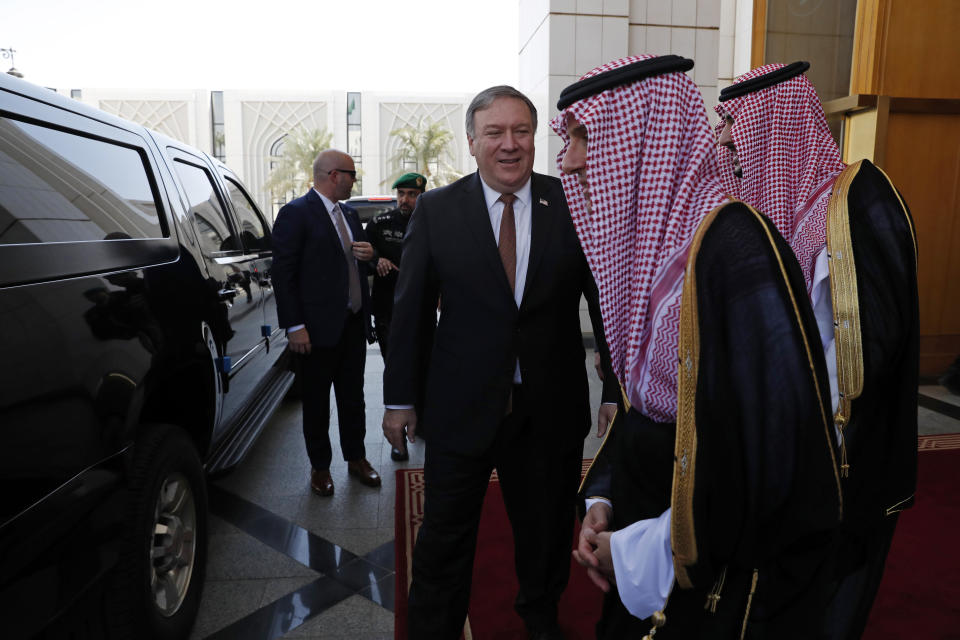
(450, 254)
(309, 272)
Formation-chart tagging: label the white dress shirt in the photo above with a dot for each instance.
(334, 210)
(822, 300)
(522, 208)
(521, 218)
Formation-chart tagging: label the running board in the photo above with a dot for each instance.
(255, 417)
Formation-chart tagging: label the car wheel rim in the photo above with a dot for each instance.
(174, 542)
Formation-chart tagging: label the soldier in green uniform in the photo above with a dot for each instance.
(385, 233)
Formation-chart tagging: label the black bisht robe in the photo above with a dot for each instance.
(877, 340)
(750, 468)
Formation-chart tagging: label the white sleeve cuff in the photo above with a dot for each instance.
(295, 327)
(643, 564)
(589, 502)
(398, 406)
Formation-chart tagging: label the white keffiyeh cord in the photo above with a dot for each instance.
(788, 158)
(653, 177)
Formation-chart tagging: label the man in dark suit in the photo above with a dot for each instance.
(506, 384)
(321, 259)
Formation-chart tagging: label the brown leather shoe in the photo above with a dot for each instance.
(321, 483)
(364, 472)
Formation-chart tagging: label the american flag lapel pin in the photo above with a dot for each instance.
(544, 202)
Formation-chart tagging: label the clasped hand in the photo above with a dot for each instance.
(593, 547)
(299, 341)
(384, 267)
(397, 423)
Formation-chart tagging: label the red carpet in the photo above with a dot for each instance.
(919, 596)
(491, 615)
(920, 593)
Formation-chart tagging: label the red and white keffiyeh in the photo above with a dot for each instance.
(653, 177)
(788, 157)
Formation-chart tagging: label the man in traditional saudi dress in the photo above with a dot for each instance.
(721, 473)
(854, 239)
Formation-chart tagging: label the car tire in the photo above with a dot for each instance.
(159, 578)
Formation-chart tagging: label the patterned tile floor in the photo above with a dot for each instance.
(284, 562)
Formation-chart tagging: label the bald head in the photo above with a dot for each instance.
(334, 174)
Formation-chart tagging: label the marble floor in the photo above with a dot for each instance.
(284, 562)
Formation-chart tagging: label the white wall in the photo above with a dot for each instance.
(743, 37)
(182, 114)
(560, 40)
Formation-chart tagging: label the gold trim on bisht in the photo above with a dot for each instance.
(846, 306)
(626, 405)
(683, 537)
(682, 531)
(900, 506)
(746, 614)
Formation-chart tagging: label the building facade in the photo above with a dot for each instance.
(560, 40)
(247, 129)
(883, 69)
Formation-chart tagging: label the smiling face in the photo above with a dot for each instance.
(575, 157)
(726, 140)
(503, 144)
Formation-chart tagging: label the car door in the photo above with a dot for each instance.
(84, 230)
(229, 275)
(255, 236)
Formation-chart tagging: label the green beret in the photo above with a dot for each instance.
(410, 181)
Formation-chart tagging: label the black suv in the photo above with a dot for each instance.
(140, 352)
(368, 207)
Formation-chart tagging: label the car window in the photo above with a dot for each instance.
(213, 229)
(382, 208)
(252, 229)
(367, 209)
(64, 187)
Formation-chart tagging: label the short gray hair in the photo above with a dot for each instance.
(485, 98)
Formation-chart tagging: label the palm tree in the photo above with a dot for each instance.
(427, 146)
(294, 172)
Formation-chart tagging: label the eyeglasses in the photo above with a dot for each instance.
(352, 174)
